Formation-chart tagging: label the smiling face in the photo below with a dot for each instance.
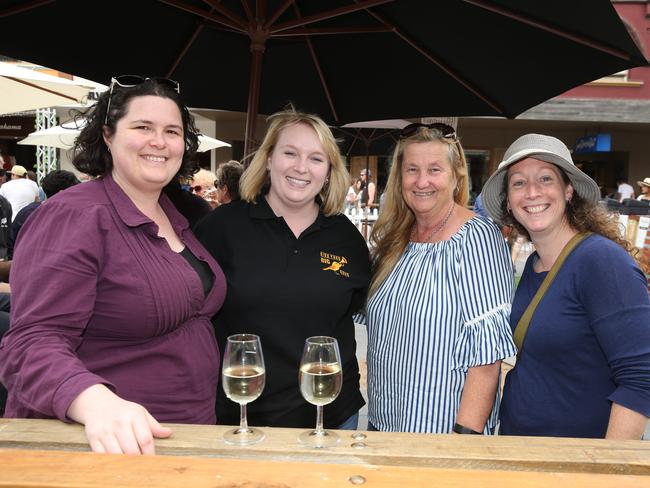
(428, 180)
(537, 196)
(148, 145)
(298, 167)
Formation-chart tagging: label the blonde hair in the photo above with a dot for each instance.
(204, 178)
(391, 233)
(256, 180)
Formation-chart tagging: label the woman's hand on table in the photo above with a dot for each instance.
(114, 425)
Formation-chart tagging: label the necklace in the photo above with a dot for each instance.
(437, 228)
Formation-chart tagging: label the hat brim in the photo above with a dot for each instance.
(643, 183)
(494, 191)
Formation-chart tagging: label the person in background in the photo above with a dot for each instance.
(203, 185)
(31, 175)
(227, 182)
(439, 301)
(351, 197)
(6, 238)
(644, 188)
(624, 190)
(20, 191)
(368, 189)
(584, 367)
(53, 183)
(190, 205)
(112, 294)
(296, 267)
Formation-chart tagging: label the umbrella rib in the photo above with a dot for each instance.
(331, 31)
(498, 108)
(277, 13)
(219, 7)
(41, 88)
(19, 9)
(361, 5)
(549, 28)
(318, 69)
(187, 46)
(247, 9)
(202, 13)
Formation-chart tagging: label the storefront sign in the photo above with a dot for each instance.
(12, 127)
(595, 143)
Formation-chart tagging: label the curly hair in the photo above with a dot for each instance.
(91, 155)
(392, 230)
(582, 216)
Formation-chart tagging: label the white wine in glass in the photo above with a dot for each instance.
(321, 378)
(243, 377)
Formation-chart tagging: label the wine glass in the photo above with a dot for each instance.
(243, 377)
(321, 378)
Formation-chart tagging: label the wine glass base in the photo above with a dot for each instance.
(243, 437)
(319, 440)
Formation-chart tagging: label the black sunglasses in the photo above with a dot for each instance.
(129, 81)
(447, 131)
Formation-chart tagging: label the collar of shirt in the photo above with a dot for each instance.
(262, 210)
(132, 216)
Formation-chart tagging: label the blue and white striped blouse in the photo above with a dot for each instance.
(442, 310)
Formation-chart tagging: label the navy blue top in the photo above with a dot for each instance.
(588, 345)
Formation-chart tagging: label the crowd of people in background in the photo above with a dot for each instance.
(150, 265)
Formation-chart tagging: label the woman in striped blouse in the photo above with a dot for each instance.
(440, 297)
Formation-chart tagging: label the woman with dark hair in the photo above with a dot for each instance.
(581, 312)
(113, 294)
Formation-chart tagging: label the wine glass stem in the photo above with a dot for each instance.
(243, 421)
(319, 420)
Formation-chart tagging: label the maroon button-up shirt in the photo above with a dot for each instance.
(98, 297)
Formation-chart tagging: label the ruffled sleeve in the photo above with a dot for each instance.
(484, 292)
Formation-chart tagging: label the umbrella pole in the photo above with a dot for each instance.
(257, 52)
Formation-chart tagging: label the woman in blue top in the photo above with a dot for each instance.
(440, 296)
(584, 368)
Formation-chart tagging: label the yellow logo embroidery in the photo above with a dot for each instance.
(334, 263)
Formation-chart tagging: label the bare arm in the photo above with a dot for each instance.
(478, 396)
(371, 193)
(625, 423)
(5, 267)
(114, 425)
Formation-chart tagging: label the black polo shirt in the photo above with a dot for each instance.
(286, 289)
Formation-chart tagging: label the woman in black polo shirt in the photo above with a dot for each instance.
(296, 267)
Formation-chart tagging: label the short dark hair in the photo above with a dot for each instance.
(91, 153)
(58, 180)
(228, 175)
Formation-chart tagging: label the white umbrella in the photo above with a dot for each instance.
(64, 135)
(25, 89)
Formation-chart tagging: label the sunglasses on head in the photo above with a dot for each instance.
(447, 131)
(129, 81)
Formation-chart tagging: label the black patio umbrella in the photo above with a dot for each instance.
(347, 60)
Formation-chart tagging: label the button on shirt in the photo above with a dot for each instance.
(285, 289)
(98, 297)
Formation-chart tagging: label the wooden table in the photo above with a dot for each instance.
(49, 453)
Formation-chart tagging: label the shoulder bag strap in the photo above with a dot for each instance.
(522, 326)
